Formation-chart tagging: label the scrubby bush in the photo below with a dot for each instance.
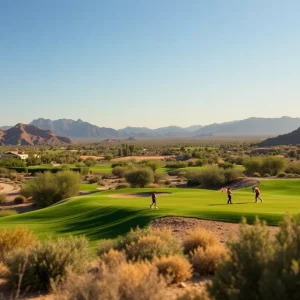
(49, 188)
(119, 171)
(174, 268)
(293, 168)
(122, 185)
(7, 212)
(20, 200)
(140, 177)
(281, 278)
(281, 175)
(95, 179)
(253, 165)
(159, 177)
(48, 263)
(195, 294)
(142, 244)
(240, 275)
(3, 198)
(199, 238)
(272, 165)
(176, 165)
(130, 281)
(205, 261)
(152, 164)
(212, 176)
(256, 174)
(113, 258)
(226, 165)
(11, 239)
(232, 175)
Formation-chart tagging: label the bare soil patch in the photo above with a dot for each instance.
(138, 195)
(84, 157)
(180, 227)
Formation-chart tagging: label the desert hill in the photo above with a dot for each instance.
(292, 138)
(23, 134)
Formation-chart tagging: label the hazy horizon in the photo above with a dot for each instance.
(149, 64)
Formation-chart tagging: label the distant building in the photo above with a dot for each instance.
(262, 150)
(14, 154)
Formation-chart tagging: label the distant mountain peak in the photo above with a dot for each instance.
(30, 135)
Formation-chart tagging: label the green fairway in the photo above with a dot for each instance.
(104, 168)
(102, 216)
(88, 186)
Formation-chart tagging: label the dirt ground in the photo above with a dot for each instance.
(139, 158)
(181, 226)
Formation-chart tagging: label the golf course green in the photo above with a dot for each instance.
(109, 214)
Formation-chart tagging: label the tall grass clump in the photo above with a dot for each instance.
(7, 212)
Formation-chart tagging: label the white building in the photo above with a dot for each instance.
(14, 154)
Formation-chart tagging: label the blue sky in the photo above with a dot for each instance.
(149, 63)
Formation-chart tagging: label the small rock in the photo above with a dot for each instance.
(182, 285)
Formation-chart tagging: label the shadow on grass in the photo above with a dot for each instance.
(239, 203)
(107, 222)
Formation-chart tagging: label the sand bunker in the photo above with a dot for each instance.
(138, 195)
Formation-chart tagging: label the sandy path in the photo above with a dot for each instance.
(6, 188)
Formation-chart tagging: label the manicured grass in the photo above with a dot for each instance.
(102, 168)
(101, 216)
(88, 187)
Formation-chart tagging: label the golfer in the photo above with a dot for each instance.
(229, 194)
(257, 193)
(153, 200)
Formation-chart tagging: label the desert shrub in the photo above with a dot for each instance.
(199, 238)
(11, 239)
(108, 156)
(123, 185)
(176, 165)
(174, 268)
(174, 172)
(105, 245)
(205, 261)
(49, 188)
(3, 198)
(212, 176)
(153, 186)
(293, 168)
(168, 182)
(7, 212)
(148, 247)
(159, 177)
(281, 175)
(256, 174)
(119, 171)
(95, 179)
(4, 172)
(140, 177)
(273, 165)
(226, 165)
(199, 163)
(113, 258)
(48, 263)
(253, 165)
(291, 176)
(193, 177)
(20, 200)
(281, 277)
(152, 164)
(195, 294)
(130, 281)
(238, 277)
(143, 244)
(90, 161)
(267, 175)
(232, 175)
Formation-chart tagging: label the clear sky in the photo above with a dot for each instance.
(152, 63)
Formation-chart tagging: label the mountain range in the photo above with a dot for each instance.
(23, 134)
(78, 129)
